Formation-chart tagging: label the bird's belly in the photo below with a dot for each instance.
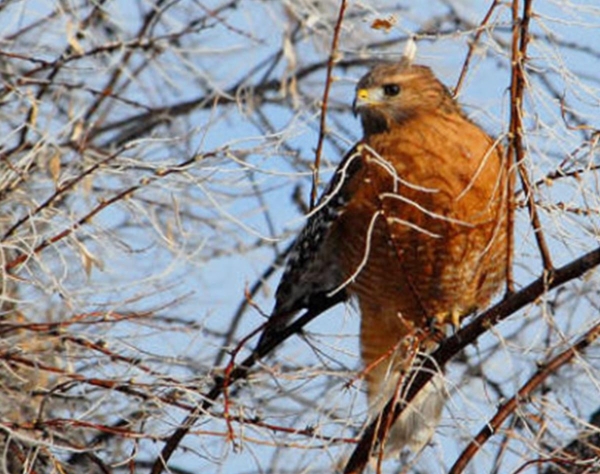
(447, 275)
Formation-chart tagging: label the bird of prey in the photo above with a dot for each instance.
(413, 226)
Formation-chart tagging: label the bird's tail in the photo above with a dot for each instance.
(416, 425)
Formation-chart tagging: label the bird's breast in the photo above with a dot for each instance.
(425, 232)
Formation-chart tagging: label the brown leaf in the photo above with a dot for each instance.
(385, 24)
(54, 166)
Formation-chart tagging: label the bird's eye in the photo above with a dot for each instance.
(391, 90)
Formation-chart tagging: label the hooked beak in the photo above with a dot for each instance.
(360, 100)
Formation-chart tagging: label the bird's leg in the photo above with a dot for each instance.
(437, 322)
(455, 317)
(435, 328)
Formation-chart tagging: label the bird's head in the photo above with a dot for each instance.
(391, 93)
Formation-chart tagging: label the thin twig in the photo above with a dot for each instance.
(238, 372)
(524, 393)
(244, 304)
(472, 45)
(323, 126)
(143, 183)
(520, 39)
(61, 190)
(149, 18)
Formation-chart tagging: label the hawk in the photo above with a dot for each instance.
(413, 226)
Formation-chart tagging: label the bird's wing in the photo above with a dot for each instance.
(312, 274)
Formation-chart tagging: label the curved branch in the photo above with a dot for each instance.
(524, 392)
(322, 125)
(466, 336)
(238, 372)
(483, 26)
(449, 348)
(516, 147)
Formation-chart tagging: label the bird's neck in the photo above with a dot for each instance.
(377, 127)
(375, 124)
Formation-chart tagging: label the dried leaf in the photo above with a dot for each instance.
(410, 50)
(87, 185)
(169, 233)
(385, 24)
(88, 260)
(34, 109)
(54, 166)
(72, 39)
(289, 84)
(77, 131)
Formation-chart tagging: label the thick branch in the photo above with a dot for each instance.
(509, 407)
(467, 335)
